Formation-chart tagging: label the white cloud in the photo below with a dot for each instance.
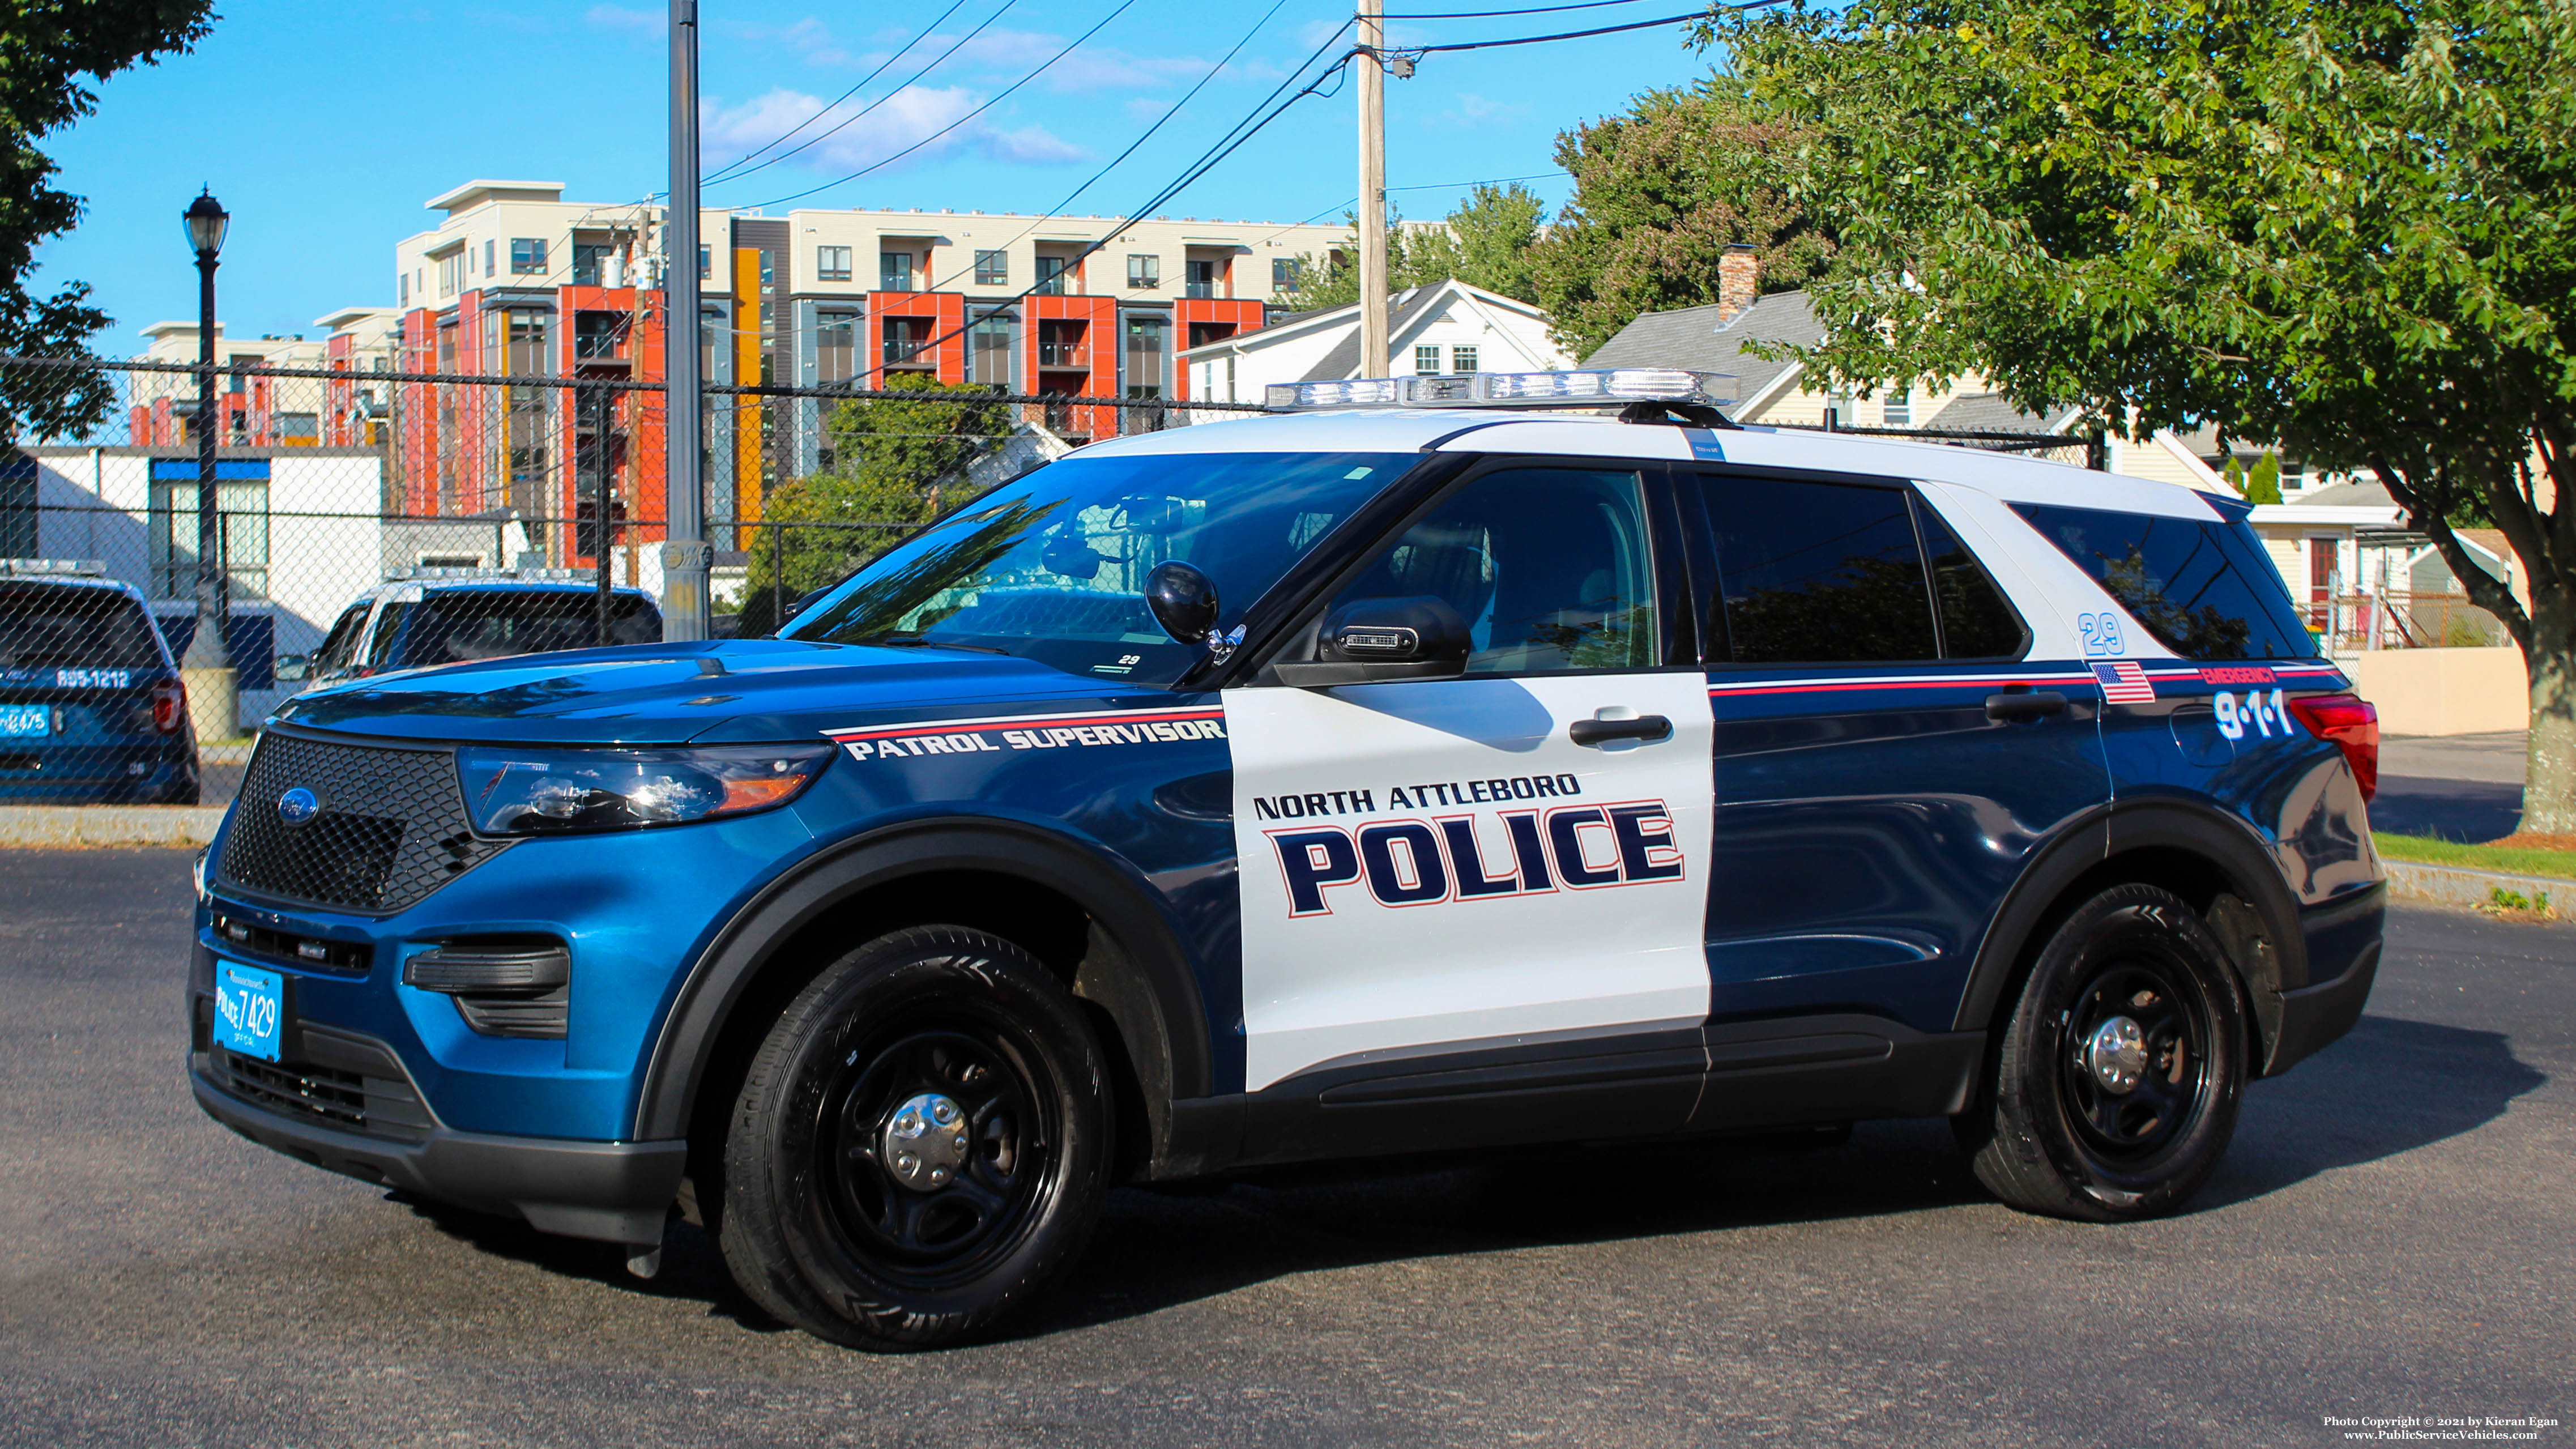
(1473, 111)
(808, 40)
(911, 115)
(641, 24)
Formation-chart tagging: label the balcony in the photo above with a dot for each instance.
(1070, 356)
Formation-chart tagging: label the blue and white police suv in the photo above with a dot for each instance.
(1437, 767)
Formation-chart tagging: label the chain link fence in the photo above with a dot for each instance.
(368, 518)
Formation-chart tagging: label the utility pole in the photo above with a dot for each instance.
(685, 556)
(1372, 65)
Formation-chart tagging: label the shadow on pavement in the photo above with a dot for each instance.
(2390, 1087)
(2464, 810)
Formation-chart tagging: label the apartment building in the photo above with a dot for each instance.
(515, 281)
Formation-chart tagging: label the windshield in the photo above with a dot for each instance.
(54, 626)
(452, 626)
(1052, 567)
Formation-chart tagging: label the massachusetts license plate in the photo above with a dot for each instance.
(250, 1010)
(20, 721)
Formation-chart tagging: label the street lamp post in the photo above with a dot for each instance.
(212, 683)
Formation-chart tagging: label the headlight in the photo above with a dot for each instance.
(556, 792)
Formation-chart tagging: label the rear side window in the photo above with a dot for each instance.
(2202, 587)
(58, 626)
(343, 642)
(1834, 573)
(454, 626)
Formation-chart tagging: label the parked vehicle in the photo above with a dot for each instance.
(423, 617)
(91, 707)
(1368, 782)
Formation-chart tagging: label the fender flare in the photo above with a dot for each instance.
(1118, 900)
(2228, 844)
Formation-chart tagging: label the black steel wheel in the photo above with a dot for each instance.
(920, 1144)
(2114, 1085)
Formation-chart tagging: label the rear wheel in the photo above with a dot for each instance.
(920, 1144)
(2115, 1085)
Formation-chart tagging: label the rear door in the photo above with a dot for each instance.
(1892, 742)
(1436, 866)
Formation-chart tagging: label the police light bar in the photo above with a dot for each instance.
(1585, 387)
(435, 573)
(86, 568)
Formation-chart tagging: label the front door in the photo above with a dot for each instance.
(1438, 865)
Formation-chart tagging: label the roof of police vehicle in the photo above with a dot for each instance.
(1561, 434)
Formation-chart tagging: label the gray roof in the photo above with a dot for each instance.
(1691, 337)
(1344, 360)
(2346, 495)
(1991, 412)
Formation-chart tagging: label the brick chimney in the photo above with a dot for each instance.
(1739, 277)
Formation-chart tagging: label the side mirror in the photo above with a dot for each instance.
(294, 668)
(1183, 601)
(1416, 637)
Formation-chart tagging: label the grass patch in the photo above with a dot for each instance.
(2512, 860)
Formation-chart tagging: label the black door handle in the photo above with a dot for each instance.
(1648, 727)
(2030, 704)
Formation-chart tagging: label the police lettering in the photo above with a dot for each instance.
(1460, 858)
(1317, 804)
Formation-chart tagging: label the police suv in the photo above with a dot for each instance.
(1423, 770)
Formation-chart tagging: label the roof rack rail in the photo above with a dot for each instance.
(1642, 394)
(435, 574)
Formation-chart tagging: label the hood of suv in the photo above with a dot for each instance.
(659, 694)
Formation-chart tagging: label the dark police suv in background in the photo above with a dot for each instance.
(1370, 781)
(91, 709)
(420, 618)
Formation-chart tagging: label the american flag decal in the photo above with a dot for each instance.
(2124, 683)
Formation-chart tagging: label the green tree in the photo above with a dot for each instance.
(1660, 192)
(51, 51)
(1332, 279)
(896, 464)
(2346, 227)
(1486, 242)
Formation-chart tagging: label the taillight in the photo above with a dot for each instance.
(169, 706)
(2352, 723)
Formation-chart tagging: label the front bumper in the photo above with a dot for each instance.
(618, 1192)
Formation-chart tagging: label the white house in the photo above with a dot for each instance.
(1446, 327)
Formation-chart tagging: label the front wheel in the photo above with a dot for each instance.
(2115, 1086)
(920, 1144)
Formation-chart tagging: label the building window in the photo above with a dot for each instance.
(894, 271)
(1899, 412)
(1051, 275)
(241, 497)
(1462, 359)
(1203, 279)
(836, 346)
(487, 258)
(1283, 274)
(904, 338)
(832, 264)
(451, 274)
(1144, 273)
(402, 285)
(988, 357)
(527, 255)
(992, 269)
(1426, 358)
(1145, 354)
(586, 259)
(1060, 344)
(527, 343)
(706, 264)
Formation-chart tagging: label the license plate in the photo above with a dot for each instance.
(250, 1010)
(20, 721)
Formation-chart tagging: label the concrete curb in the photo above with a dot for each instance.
(71, 827)
(2451, 885)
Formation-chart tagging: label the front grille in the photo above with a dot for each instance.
(332, 1079)
(392, 826)
(287, 948)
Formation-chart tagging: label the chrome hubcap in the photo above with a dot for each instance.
(2117, 1055)
(924, 1142)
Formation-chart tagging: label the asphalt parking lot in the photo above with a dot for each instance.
(2393, 1234)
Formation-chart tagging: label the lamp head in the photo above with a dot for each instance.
(206, 219)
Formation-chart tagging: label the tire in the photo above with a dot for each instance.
(849, 1210)
(2075, 1125)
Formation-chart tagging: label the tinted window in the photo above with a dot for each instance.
(1548, 566)
(334, 655)
(1819, 573)
(388, 634)
(1052, 567)
(58, 626)
(453, 626)
(1977, 621)
(2203, 588)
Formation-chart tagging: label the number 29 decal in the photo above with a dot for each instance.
(2257, 708)
(2101, 634)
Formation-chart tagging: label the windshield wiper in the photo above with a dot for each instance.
(916, 641)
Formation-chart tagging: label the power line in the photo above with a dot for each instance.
(926, 32)
(1567, 35)
(908, 83)
(1488, 181)
(1159, 121)
(1530, 10)
(1123, 6)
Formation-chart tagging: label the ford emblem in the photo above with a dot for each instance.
(298, 807)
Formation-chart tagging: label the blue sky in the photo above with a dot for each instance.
(323, 125)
